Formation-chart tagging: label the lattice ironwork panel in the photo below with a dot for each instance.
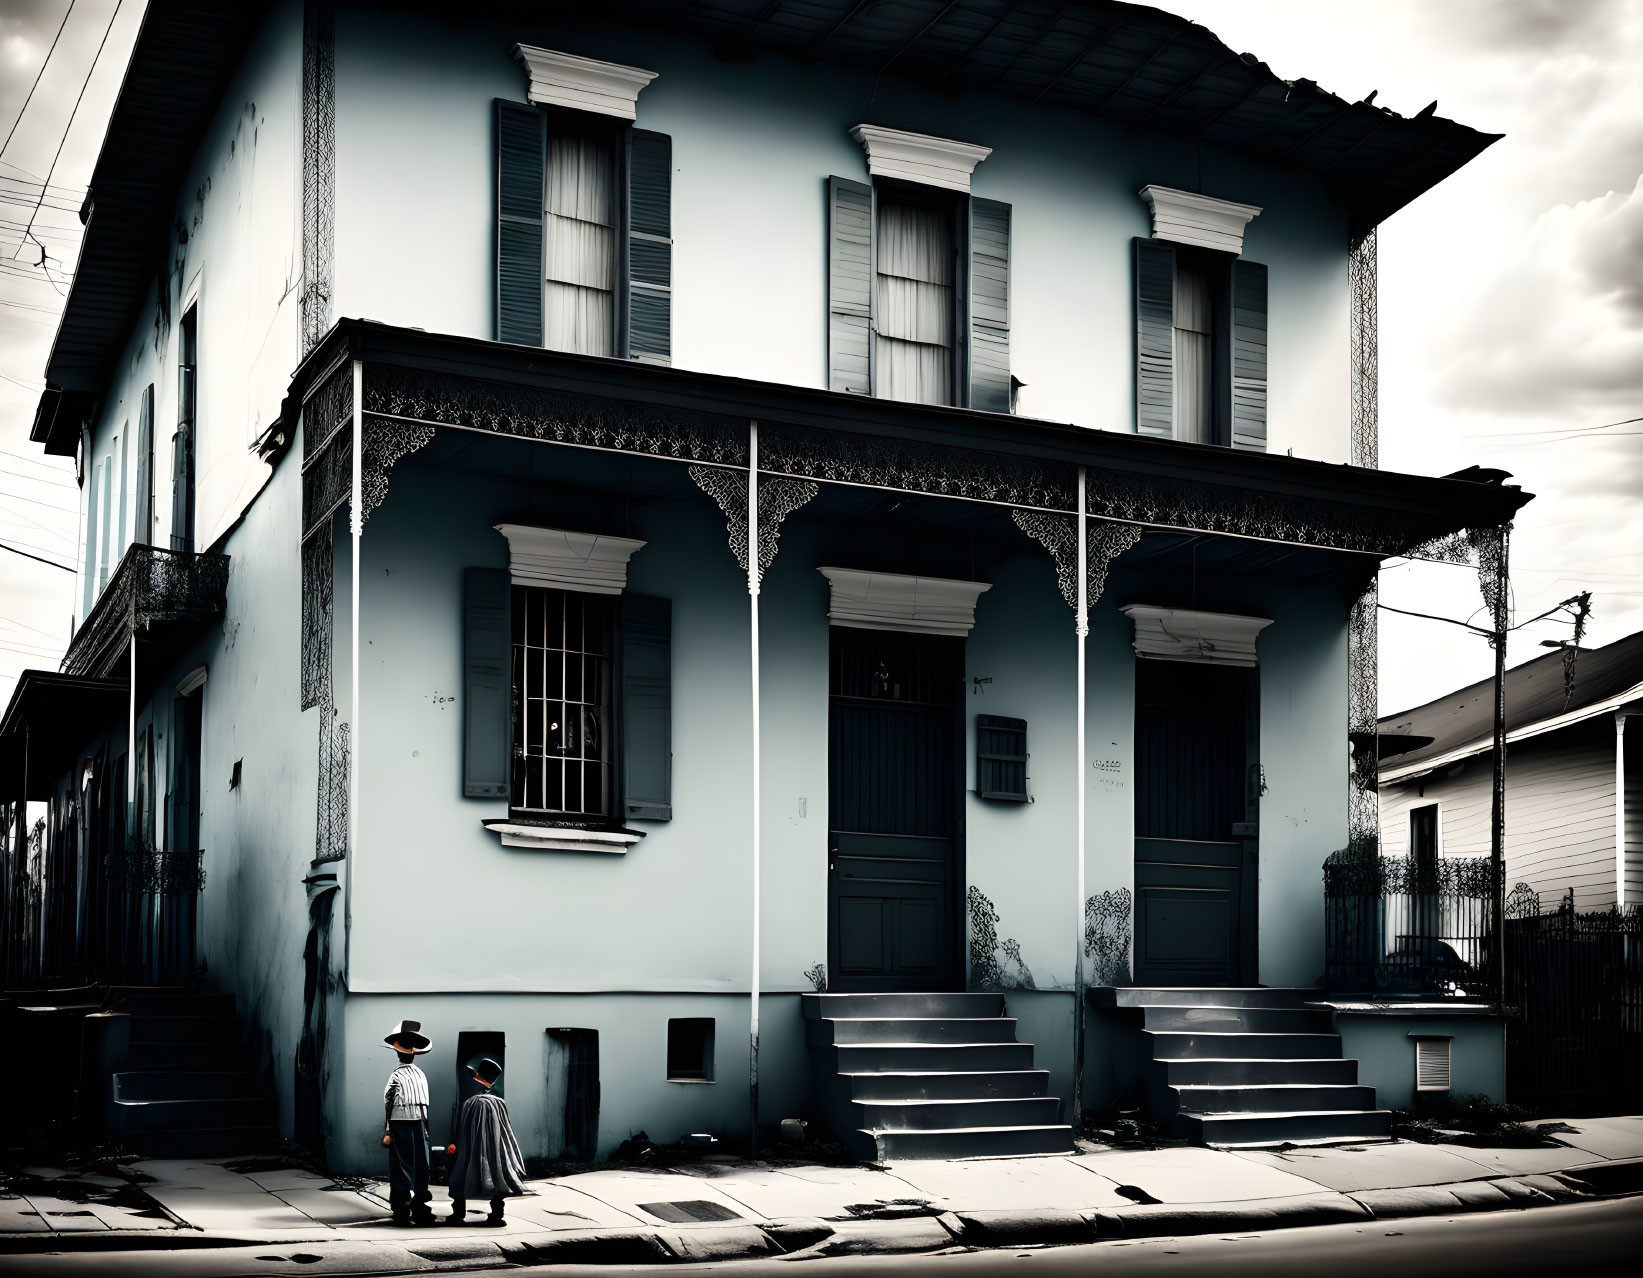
(331, 816)
(328, 406)
(319, 167)
(327, 480)
(318, 585)
(1365, 333)
(1363, 811)
(909, 466)
(563, 417)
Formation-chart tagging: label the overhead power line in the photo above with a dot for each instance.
(79, 98)
(50, 563)
(38, 77)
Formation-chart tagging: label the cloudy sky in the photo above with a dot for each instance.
(1511, 297)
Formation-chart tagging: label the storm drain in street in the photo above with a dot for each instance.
(685, 1213)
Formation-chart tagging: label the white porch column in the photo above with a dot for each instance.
(753, 635)
(356, 529)
(1081, 631)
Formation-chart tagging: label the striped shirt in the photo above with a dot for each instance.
(407, 1095)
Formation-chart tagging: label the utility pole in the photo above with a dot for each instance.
(1497, 810)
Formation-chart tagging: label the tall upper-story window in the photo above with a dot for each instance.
(914, 270)
(182, 443)
(1200, 324)
(918, 277)
(584, 248)
(581, 222)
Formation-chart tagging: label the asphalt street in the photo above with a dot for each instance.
(1583, 1238)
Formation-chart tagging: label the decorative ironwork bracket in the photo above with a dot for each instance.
(778, 498)
(1104, 539)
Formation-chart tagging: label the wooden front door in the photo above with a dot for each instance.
(1195, 837)
(894, 790)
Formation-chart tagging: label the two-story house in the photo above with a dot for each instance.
(605, 530)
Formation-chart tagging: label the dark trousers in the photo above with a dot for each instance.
(408, 1168)
(459, 1208)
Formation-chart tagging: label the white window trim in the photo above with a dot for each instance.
(1208, 638)
(1184, 217)
(888, 601)
(193, 681)
(918, 157)
(553, 838)
(589, 562)
(582, 84)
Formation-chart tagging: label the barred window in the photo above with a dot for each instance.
(562, 721)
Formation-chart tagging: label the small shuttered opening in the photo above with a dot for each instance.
(1001, 758)
(1432, 1064)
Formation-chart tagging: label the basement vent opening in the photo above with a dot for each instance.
(1432, 1064)
(690, 1049)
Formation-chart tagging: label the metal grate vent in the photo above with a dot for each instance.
(1431, 1064)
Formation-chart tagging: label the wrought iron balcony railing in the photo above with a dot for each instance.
(1401, 926)
(164, 596)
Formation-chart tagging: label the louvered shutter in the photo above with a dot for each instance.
(487, 704)
(1432, 1056)
(990, 306)
(647, 707)
(143, 528)
(1249, 355)
(1001, 758)
(849, 286)
(650, 247)
(182, 488)
(520, 140)
(1154, 338)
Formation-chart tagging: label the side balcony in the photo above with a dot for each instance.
(163, 600)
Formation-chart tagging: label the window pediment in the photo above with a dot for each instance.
(582, 84)
(889, 601)
(1185, 217)
(1180, 634)
(918, 157)
(590, 562)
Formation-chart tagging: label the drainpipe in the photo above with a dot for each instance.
(1081, 629)
(356, 527)
(753, 634)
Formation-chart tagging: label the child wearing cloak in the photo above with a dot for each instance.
(485, 1160)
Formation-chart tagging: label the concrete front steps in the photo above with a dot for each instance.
(187, 1090)
(1246, 1067)
(929, 1076)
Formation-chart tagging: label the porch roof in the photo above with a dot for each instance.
(51, 716)
(421, 378)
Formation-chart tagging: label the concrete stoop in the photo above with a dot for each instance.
(929, 1076)
(1246, 1068)
(187, 1090)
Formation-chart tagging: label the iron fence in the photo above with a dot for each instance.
(1575, 1045)
(1408, 926)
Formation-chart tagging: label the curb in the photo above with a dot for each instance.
(971, 1229)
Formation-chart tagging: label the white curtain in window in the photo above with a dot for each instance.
(580, 249)
(1194, 355)
(914, 342)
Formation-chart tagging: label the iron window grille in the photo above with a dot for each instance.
(1001, 758)
(562, 716)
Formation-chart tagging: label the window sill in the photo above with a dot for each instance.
(556, 838)
(694, 1082)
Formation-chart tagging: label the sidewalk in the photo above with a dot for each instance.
(728, 1208)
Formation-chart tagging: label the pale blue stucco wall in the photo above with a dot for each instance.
(752, 146)
(1384, 1048)
(238, 259)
